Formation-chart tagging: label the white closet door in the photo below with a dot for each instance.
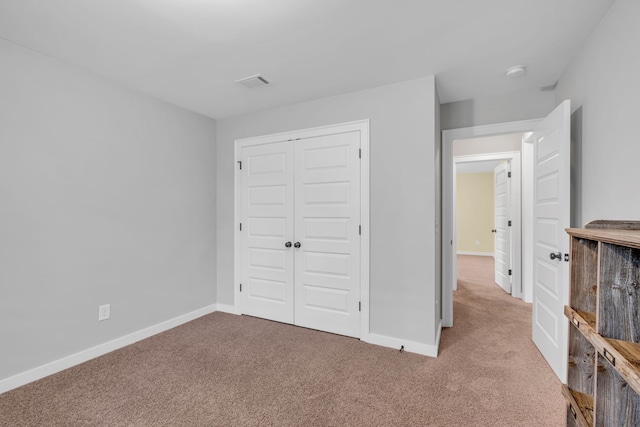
(327, 212)
(267, 221)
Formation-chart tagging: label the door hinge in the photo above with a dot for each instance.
(240, 226)
(359, 305)
(359, 153)
(509, 223)
(240, 164)
(240, 287)
(510, 272)
(360, 230)
(566, 257)
(509, 175)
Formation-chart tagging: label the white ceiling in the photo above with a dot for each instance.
(189, 52)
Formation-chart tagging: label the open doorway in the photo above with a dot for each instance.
(475, 207)
(502, 142)
(487, 210)
(487, 207)
(546, 150)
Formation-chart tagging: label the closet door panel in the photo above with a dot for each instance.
(267, 220)
(327, 212)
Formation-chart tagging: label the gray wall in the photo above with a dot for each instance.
(603, 85)
(511, 107)
(402, 196)
(107, 196)
(438, 209)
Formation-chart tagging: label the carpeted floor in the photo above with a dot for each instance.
(226, 370)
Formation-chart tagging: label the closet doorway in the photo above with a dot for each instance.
(302, 236)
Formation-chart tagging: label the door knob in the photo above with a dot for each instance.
(297, 245)
(287, 245)
(494, 231)
(555, 256)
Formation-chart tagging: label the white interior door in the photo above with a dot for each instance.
(267, 218)
(551, 145)
(502, 230)
(327, 213)
(300, 253)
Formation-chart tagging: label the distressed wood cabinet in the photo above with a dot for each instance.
(603, 379)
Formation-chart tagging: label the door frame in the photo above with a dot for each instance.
(449, 275)
(361, 126)
(514, 210)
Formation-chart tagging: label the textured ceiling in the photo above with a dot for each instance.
(189, 52)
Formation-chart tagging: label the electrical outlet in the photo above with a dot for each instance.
(104, 312)
(477, 242)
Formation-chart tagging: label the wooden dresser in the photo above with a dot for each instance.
(603, 380)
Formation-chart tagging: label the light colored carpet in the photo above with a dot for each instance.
(226, 370)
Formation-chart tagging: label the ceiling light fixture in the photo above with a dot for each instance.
(516, 71)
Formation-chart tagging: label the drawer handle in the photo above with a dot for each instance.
(573, 412)
(609, 357)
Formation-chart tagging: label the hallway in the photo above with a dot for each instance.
(490, 346)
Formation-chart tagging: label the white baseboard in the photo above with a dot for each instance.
(409, 346)
(475, 253)
(227, 308)
(93, 352)
(101, 349)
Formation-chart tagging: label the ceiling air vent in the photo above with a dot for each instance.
(252, 82)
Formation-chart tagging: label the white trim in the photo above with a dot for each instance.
(489, 130)
(491, 254)
(237, 237)
(409, 346)
(304, 133)
(226, 308)
(361, 126)
(99, 350)
(364, 222)
(449, 280)
(527, 217)
(438, 335)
